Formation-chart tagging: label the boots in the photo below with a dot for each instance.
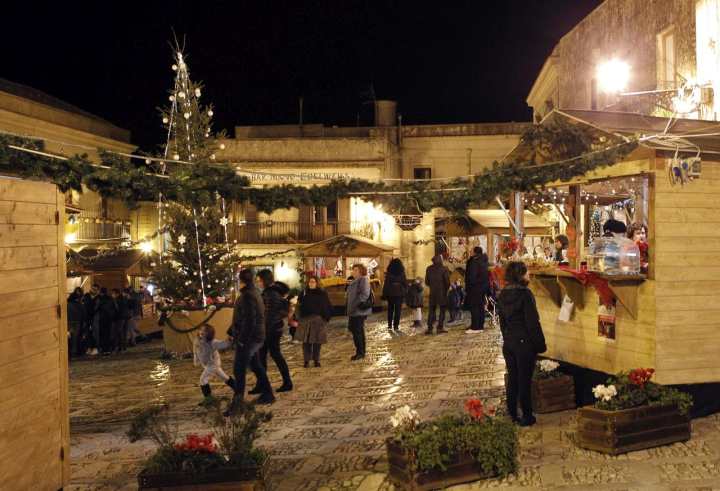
(207, 393)
(255, 391)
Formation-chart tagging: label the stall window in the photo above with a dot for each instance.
(422, 173)
(332, 212)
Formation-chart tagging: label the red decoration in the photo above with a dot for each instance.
(196, 443)
(641, 376)
(600, 284)
(477, 410)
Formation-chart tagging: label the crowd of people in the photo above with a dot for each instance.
(102, 322)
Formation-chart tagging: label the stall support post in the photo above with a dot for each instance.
(517, 212)
(573, 232)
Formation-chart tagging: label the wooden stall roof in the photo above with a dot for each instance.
(484, 221)
(130, 261)
(359, 247)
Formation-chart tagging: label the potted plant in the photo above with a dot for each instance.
(223, 459)
(552, 390)
(633, 413)
(451, 449)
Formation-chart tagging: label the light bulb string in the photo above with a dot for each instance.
(200, 262)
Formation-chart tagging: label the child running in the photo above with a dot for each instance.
(206, 354)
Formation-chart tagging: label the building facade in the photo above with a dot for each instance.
(670, 48)
(314, 154)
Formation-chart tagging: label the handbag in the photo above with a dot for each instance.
(368, 303)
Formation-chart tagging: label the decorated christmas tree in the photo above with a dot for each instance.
(198, 265)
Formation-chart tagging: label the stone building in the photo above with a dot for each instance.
(315, 154)
(666, 45)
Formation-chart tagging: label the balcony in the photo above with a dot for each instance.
(93, 228)
(272, 232)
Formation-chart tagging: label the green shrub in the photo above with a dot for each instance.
(634, 389)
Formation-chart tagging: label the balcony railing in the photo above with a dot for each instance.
(272, 232)
(94, 228)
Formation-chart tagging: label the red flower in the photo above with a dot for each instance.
(641, 376)
(195, 443)
(474, 408)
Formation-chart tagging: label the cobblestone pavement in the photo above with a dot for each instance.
(328, 433)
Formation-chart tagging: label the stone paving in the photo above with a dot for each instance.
(328, 433)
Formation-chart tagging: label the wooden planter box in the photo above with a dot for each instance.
(236, 479)
(553, 394)
(464, 470)
(627, 430)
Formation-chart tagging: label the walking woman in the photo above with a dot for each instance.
(358, 308)
(523, 340)
(394, 291)
(315, 312)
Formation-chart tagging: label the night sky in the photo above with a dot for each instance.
(469, 61)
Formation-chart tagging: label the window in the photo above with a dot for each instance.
(332, 212)
(422, 173)
(667, 78)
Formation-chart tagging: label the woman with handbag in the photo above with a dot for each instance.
(360, 301)
(523, 340)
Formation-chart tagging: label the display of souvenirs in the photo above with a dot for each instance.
(614, 255)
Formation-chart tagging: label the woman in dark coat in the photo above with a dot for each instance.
(315, 312)
(523, 340)
(107, 310)
(477, 282)
(394, 290)
(437, 277)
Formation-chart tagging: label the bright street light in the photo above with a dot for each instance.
(146, 247)
(613, 76)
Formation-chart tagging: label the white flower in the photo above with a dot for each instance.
(548, 365)
(604, 392)
(404, 416)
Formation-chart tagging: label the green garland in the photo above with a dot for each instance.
(571, 150)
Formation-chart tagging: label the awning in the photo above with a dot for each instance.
(481, 222)
(347, 245)
(129, 261)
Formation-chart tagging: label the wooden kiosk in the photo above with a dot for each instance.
(668, 319)
(338, 254)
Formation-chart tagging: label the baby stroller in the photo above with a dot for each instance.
(491, 300)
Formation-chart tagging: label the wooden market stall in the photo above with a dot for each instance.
(487, 228)
(668, 318)
(34, 417)
(332, 259)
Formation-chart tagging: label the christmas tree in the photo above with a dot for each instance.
(198, 263)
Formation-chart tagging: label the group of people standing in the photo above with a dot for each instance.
(444, 294)
(102, 322)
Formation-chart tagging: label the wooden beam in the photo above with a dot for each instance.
(551, 286)
(626, 293)
(573, 289)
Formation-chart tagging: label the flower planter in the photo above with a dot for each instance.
(465, 469)
(627, 430)
(553, 394)
(235, 478)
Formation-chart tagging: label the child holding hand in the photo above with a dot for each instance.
(207, 355)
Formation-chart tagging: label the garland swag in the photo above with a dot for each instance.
(552, 152)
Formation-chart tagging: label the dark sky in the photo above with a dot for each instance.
(464, 61)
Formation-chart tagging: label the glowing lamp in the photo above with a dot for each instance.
(146, 247)
(70, 238)
(613, 76)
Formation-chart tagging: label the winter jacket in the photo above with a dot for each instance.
(477, 279)
(456, 297)
(315, 301)
(123, 308)
(106, 308)
(248, 322)
(519, 318)
(276, 306)
(395, 285)
(437, 277)
(358, 292)
(75, 312)
(414, 298)
(89, 305)
(206, 353)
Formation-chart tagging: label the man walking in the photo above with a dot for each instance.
(248, 332)
(437, 278)
(477, 282)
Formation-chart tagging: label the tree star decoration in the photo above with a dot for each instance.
(224, 221)
(181, 239)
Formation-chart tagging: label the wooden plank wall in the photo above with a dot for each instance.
(687, 269)
(34, 421)
(577, 341)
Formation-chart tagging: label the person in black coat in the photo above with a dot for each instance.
(477, 282)
(248, 333)
(76, 321)
(122, 316)
(315, 313)
(277, 307)
(394, 291)
(107, 313)
(523, 340)
(437, 277)
(92, 336)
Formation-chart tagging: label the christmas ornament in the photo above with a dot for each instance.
(224, 221)
(181, 239)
